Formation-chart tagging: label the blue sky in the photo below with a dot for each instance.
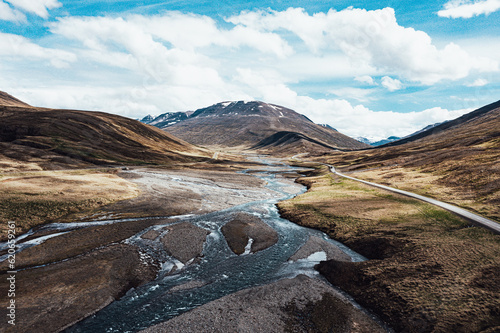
(367, 68)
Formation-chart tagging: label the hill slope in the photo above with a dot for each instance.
(61, 138)
(245, 124)
(286, 143)
(460, 157)
(467, 121)
(8, 100)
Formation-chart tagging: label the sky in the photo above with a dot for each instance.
(367, 68)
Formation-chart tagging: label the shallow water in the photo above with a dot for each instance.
(221, 270)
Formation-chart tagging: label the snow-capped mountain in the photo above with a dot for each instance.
(247, 123)
(166, 119)
(376, 141)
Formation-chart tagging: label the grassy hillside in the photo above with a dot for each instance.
(428, 270)
(69, 137)
(458, 163)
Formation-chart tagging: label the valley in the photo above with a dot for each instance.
(238, 224)
(99, 257)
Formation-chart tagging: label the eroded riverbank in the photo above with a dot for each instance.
(430, 271)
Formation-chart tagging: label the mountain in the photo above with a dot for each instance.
(166, 119)
(375, 142)
(247, 124)
(146, 120)
(61, 138)
(8, 100)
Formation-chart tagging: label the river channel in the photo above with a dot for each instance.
(220, 272)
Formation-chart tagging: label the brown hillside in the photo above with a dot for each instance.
(56, 138)
(232, 124)
(464, 156)
(8, 100)
(288, 143)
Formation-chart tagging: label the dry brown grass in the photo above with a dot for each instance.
(34, 198)
(432, 185)
(429, 271)
(459, 164)
(74, 137)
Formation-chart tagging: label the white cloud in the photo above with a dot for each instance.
(468, 9)
(371, 38)
(9, 14)
(38, 7)
(353, 120)
(360, 121)
(22, 48)
(186, 32)
(358, 94)
(365, 79)
(176, 61)
(117, 42)
(391, 84)
(478, 83)
(189, 32)
(171, 48)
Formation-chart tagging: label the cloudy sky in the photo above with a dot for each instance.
(367, 68)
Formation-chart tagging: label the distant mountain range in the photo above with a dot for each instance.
(52, 137)
(378, 142)
(254, 124)
(166, 119)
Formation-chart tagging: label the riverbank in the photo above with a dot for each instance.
(37, 197)
(67, 278)
(301, 304)
(429, 271)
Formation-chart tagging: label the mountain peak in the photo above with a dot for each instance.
(246, 123)
(248, 109)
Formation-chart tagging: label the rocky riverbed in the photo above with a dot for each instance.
(301, 304)
(180, 256)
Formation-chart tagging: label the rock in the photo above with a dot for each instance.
(302, 304)
(315, 244)
(184, 241)
(151, 234)
(244, 227)
(188, 285)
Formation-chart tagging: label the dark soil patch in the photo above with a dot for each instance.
(50, 298)
(245, 226)
(329, 314)
(184, 241)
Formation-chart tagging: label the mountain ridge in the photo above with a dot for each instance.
(438, 128)
(55, 138)
(246, 123)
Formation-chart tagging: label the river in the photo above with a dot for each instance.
(220, 272)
